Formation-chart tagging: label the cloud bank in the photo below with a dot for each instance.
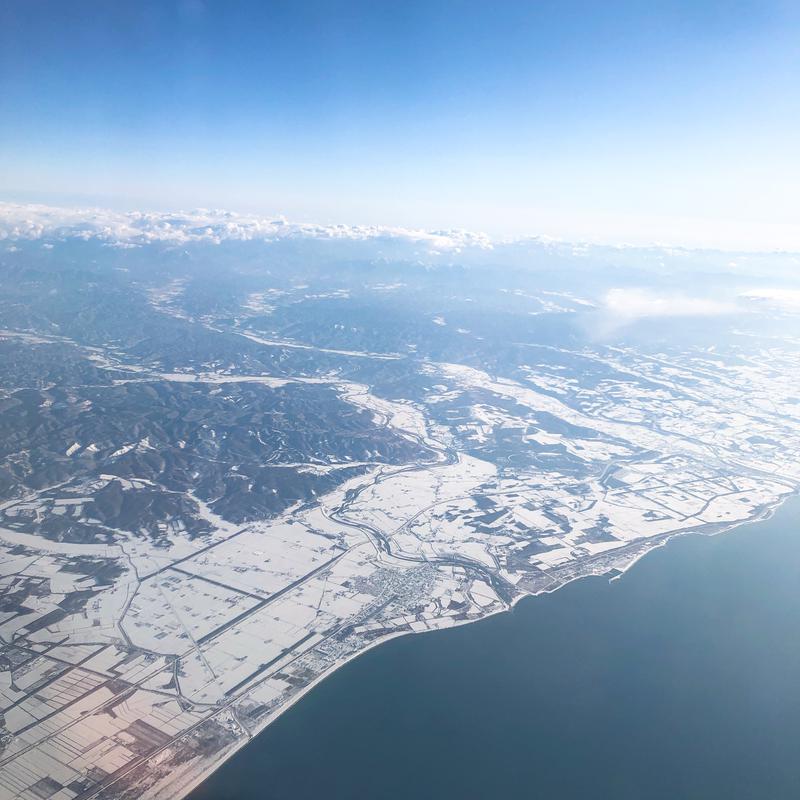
(21, 222)
(33, 221)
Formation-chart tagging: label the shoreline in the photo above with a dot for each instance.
(167, 792)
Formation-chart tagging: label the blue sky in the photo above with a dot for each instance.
(613, 121)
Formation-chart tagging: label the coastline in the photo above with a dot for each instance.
(184, 788)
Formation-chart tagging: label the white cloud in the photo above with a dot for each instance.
(621, 307)
(31, 221)
(774, 297)
(628, 305)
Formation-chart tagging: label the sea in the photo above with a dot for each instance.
(678, 680)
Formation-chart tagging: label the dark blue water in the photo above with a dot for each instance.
(681, 680)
